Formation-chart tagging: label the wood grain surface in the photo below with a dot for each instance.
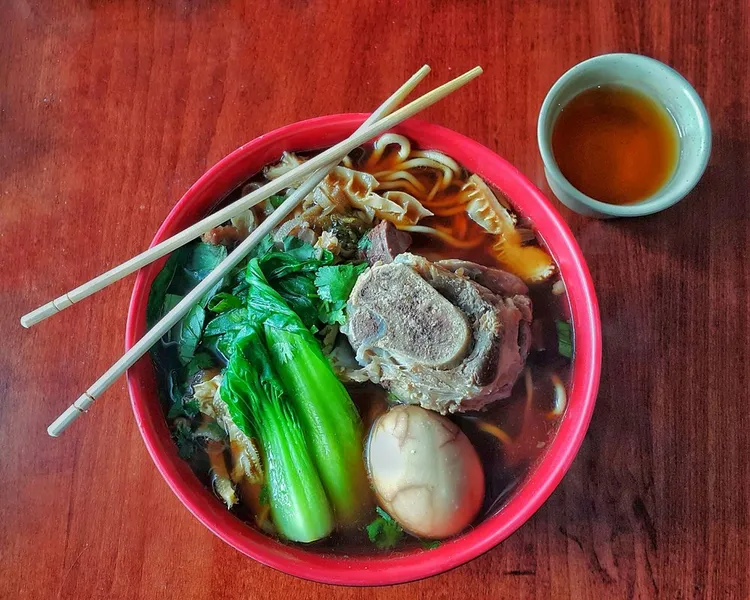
(109, 110)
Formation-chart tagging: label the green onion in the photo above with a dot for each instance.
(564, 339)
(384, 532)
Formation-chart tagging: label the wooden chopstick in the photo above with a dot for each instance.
(234, 258)
(334, 153)
(226, 265)
(172, 317)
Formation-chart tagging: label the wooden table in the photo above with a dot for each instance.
(110, 110)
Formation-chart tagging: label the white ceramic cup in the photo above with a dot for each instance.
(660, 82)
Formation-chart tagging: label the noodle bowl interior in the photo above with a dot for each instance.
(383, 370)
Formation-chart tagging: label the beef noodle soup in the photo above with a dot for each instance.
(383, 370)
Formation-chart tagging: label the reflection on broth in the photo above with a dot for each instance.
(410, 281)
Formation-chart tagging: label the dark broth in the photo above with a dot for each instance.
(531, 426)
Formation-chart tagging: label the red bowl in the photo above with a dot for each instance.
(539, 484)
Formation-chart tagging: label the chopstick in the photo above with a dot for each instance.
(226, 265)
(334, 153)
(234, 258)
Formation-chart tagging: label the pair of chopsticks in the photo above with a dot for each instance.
(314, 169)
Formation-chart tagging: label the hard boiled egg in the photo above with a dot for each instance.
(425, 471)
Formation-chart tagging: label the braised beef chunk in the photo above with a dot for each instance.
(386, 242)
(437, 337)
(496, 280)
(223, 235)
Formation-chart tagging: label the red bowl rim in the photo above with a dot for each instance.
(523, 502)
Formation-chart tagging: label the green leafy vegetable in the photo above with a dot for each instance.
(347, 229)
(162, 282)
(201, 360)
(232, 320)
(175, 355)
(296, 257)
(223, 302)
(329, 418)
(196, 262)
(277, 200)
(264, 497)
(364, 244)
(189, 409)
(203, 259)
(429, 544)
(291, 272)
(189, 333)
(210, 345)
(220, 331)
(278, 386)
(176, 386)
(300, 293)
(186, 443)
(258, 406)
(265, 246)
(564, 339)
(334, 284)
(170, 301)
(384, 532)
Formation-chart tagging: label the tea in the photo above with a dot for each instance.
(615, 144)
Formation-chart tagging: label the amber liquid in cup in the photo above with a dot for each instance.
(615, 144)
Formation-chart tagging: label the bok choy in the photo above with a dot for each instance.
(259, 406)
(330, 421)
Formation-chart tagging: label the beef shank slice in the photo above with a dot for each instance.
(435, 336)
(400, 312)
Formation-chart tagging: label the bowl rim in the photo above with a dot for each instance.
(673, 191)
(521, 504)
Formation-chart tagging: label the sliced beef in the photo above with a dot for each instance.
(496, 280)
(437, 337)
(228, 235)
(223, 235)
(386, 242)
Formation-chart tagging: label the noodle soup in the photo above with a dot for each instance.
(396, 240)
